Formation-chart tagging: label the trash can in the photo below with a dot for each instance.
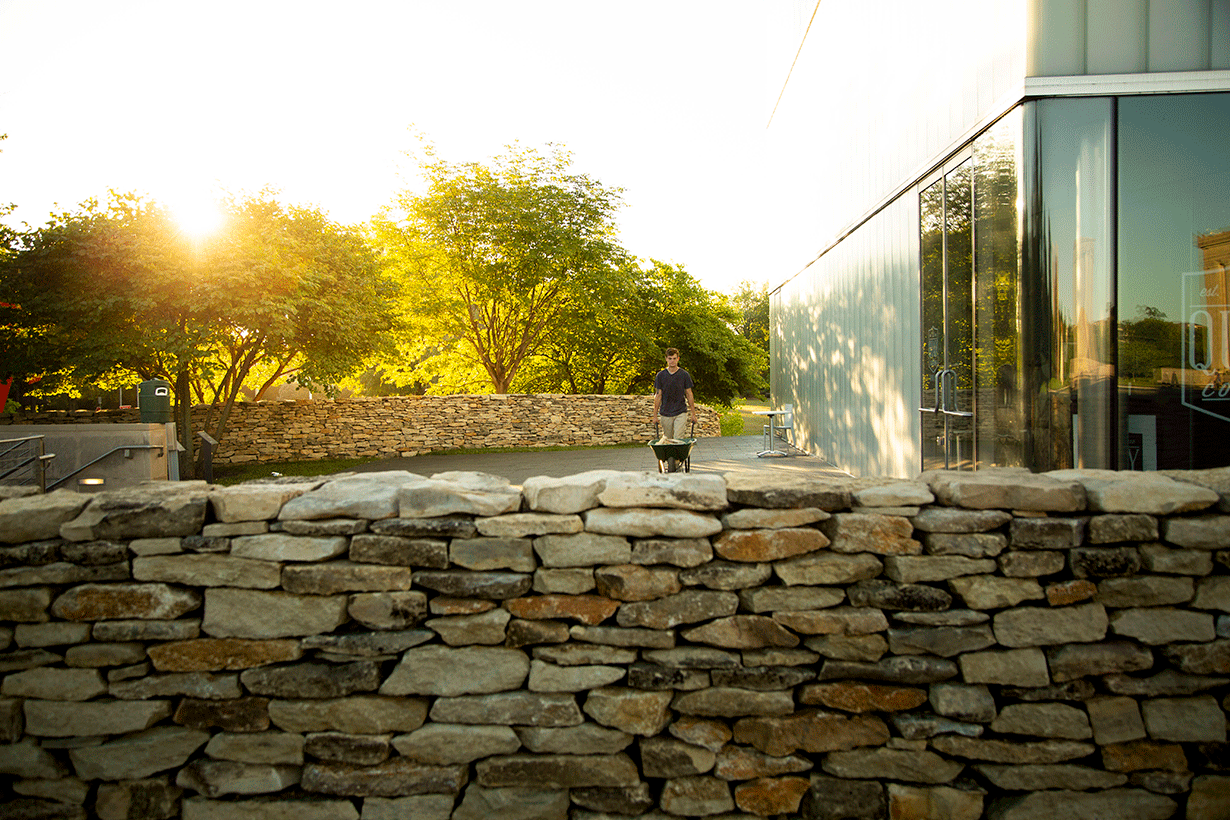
(154, 401)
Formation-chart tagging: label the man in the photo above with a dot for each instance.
(673, 405)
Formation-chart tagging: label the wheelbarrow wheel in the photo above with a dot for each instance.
(672, 465)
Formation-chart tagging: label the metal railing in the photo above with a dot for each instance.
(17, 454)
(124, 448)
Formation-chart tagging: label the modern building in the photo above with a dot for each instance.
(1022, 215)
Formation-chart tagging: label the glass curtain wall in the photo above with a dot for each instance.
(1174, 308)
(1068, 295)
(972, 409)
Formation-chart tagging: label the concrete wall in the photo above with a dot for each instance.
(411, 425)
(998, 645)
(79, 445)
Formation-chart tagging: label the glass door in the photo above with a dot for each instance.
(946, 210)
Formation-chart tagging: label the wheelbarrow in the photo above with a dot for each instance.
(673, 456)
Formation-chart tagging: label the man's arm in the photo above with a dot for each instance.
(691, 404)
(657, 403)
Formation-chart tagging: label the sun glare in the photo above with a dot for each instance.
(198, 217)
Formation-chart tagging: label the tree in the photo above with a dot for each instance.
(492, 256)
(681, 313)
(118, 293)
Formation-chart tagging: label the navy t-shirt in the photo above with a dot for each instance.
(674, 401)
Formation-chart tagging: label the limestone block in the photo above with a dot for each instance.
(1134, 492)
(1031, 564)
(587, 738)
(970, 545)
(1110, 657)
(953, 520)
(38, 517)
(964, 702)
(281, 546)
(730, 702)
(906, 669)
(210, 654)
(768, 544)
(547, 677)
(570, 494)
(25, 605)
(269, 747)
(586, 609)
(101, 602)
(892, 764)
(57, 633)
(1113, 529)
(696, 796)
(884, 594)
(810, 731)
(1163, 559)
(1046, 533)
(633, 711)
(1115, 720)
(208, 571)
(511, 803)
(632, 582)
(756, 519)
(585, 549)
(1209, 798)
(1185, 720)
(686, 492)
(911, 569)
(1111, 804)
(259, 614)
(333, 577)
(557, 771)
(399, 776)
(216, 778)
(666, 757)
(834, 798)
(1043, 720)
(945, 641)
(858, 697)
(571, 581)
(645, 522)
(370, 496)
(253, 502)
(153, 510)
(420, 807)
(824, 569)
(771, 795)
(357, 714)
(388, 610)
(1212, 593)
(201, 808)
(1149, 590)
(1162, 625)
(1041, 776)
(513, 552)
(452, 493)
(448, 671)
(1006, 489)
(1008, 751)
(27, 759)
(54, 684)
(934, 803)
(1034, 626)
(774, 490)
(874, 533)
(46, 718)
(138, 755)
(1014, 667)
(679, 552)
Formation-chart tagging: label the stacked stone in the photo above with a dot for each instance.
(615, 645)
(389, 426)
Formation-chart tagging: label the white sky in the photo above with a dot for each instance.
(668, 99)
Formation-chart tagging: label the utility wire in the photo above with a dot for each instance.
(792, 64)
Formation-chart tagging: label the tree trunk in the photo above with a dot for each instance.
(183, 424)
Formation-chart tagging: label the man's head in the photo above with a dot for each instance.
(672, 357)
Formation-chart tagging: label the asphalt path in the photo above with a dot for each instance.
(708, 455)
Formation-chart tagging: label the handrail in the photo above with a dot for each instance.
(17, 442)
(116, 449)
(41, 456)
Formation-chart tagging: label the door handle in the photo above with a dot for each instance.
(946, 408)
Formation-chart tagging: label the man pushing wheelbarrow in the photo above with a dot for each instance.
(673, 408)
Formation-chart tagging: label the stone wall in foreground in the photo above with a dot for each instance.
(411, 425)
(617, 645)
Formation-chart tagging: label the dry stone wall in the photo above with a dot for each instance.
(615, 645)
(411, 425)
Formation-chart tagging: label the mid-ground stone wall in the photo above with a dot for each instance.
(616, 645)
(411, 425)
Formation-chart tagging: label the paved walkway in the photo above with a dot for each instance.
(709, 455)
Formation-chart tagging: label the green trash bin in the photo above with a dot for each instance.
(154, 401)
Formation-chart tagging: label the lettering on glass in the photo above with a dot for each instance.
(1206, 344)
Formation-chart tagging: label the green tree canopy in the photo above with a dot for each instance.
(491, 257)
(115, 293)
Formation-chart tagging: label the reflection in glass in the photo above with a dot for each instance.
(1001, 416)
(1068, 270)
(1174, 251)
(947, 322)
